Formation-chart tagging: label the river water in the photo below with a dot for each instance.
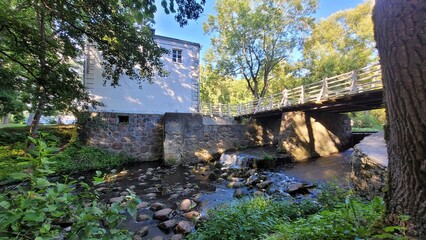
(206, 185)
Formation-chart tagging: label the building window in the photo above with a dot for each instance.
(177, 55)
(123, 119)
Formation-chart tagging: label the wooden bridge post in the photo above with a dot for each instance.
(220, 110)
(271, 102)
(324, 90)
(229, 110)
(284, 100)
(302, 95)
(354, 87)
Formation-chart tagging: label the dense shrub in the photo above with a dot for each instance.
(40, 209)
(83, 158)
(250, 218)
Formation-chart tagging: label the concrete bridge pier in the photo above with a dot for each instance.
(305, 134)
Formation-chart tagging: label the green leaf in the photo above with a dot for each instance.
(5, 204)
(45, 228)
(19, 176)
(42, 183)
(33, 216)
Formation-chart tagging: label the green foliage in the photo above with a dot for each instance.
(331, 194)
(77, 158)
(37, 207)
(249, 218)
(42, 44)
(351, 220)
(340, 43)
(61, 134)
(74, 157)
(374, 119)
(251, 38)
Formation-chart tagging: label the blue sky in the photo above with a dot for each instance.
(167, 26)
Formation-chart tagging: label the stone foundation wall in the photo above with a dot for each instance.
(304, 135)
(192, 137)
(369, 166)
(137, 135)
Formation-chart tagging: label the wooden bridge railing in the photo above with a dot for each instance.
(357, 81)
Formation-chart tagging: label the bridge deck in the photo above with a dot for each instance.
(357, 90)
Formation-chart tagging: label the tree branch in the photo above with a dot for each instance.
(20, 63)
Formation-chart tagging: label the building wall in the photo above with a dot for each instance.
(192, 137)
(137, 135)
(178, 92)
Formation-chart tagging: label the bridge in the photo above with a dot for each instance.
(357, 90)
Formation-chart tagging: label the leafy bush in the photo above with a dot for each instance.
(249, 218)
(61, 134)
(351, 220)
(40, 209)
(83, 158)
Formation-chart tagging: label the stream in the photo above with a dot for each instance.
(186, 193)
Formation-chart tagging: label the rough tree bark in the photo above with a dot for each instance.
(400, 32)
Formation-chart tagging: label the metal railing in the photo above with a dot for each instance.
(357, 81)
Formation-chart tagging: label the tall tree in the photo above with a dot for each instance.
(400, 32)
(45, 39)
(340, 43)
(250, 38)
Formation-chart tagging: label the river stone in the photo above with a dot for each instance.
(151, 195)
(157, 206)
(187, 205)
(239, 193)
(252, 180)
(174, 195)
(102, 190)
(163, 214)
(142, 217)
(191, 215)
(177, 237)
(235, 185)
(116, 199)
(141, 233)
(169, 224)
(124, 193)
(294, 187)
(264, 185)
(184, 227)
(158, 238)
(142, 205)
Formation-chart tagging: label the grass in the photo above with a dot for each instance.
(12, 125)
(73, 158)
(366, 129)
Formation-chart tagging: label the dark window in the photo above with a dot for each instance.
(123, 119)
(177, 55)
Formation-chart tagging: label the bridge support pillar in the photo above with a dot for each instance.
(306, 135)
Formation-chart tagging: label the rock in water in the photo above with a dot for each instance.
(191, 215)
(264, 185)
(163, 214)
(184, 227)
(166, 225)
(157, 206)
(142, 217)
(177, 237)
(187, 205)
(141, 233)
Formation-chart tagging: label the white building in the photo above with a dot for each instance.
(178, 92)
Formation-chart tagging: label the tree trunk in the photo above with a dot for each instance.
(400, 32)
